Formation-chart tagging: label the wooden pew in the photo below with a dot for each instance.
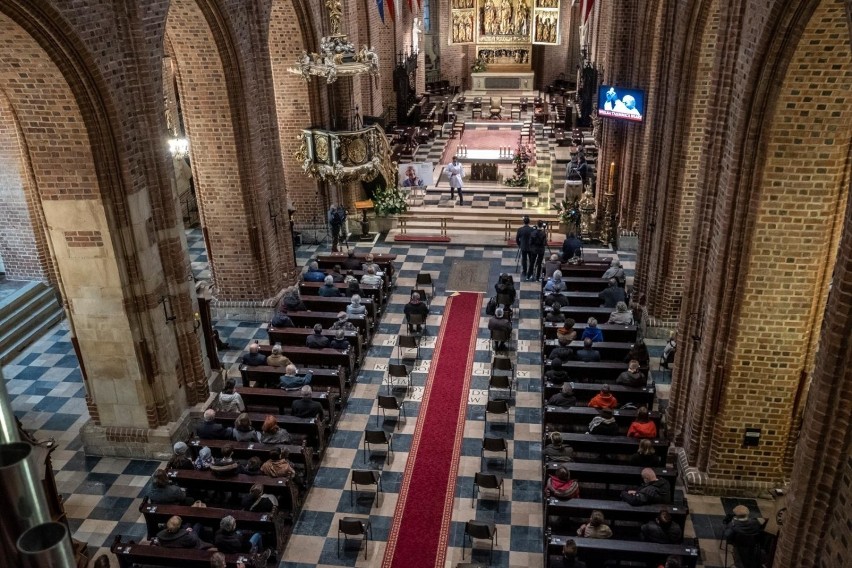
(157, 515)
(268, 377)
(586, 391)
(610, 474)
(329, 260)
(579, 417)
(587, 270)
(588, 299)
(323, 304)
(612, 445)
(601, 372)
(327, 319)
(386, 279)
(600, 550)
(131, 554)
(296, 337)
(611, 332)
(585, 284)
(613, 510)
(609, 350)
(300, 455)
(283, 400)
(289, 500)
(376, 293)
(312, 429)
(583, 313)
(308, 358)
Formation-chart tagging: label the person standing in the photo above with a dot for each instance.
(538, 242)
(336, 219)
(523, 239)
(455, 171)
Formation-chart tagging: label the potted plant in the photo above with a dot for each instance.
(569, 215)
(388, 202)
(479, 66)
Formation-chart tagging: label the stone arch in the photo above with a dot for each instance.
(99, 226)
(757, 245)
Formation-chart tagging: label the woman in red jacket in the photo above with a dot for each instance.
(642, 427)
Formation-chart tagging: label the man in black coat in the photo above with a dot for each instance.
(538, 242)
(743, 533)
(306, 407)
(254, 357)
(415, 306)
(653, 491)
(612, 294)
(523, 239)
(571, 247)
(317, 340)
(209, 429)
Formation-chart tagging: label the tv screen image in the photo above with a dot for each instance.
(621, 103)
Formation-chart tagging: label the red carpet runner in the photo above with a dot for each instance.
(418, 537)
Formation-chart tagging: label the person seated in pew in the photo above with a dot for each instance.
(672, 562)
(225, 466)
(281, 319)
(616, 272)
(506, 285)
(370, 278)
(271, 433)
(368, 264)
(556, 375)
(243, 431)
(587, 354)
(621, 316)
(564, 398)
(556, 450)
(254, 358)
(317, 340)
(250, 466)
(179, 459)
(561, 486)
(350, 277)
(499, 322)
(645, 456)
(339, 342)
(415, 307)
(595, 527)
(571, 247)
(555, 284)
(642, 427)
(653, 491)
(337, 274)
(563, 350)
(554, 316)
(313, 273)
(351, 262)
(232, 541)
(353, 287)
(292, 380)
(556, 301)
(307, 407)
(552, 265)
(228, 400)
(204, 459)
(355, 307)
(259, 502)
(292, 300)
(662, 530)
(612, 294)
(639, 352)
(604, 423)
(343, 323)
(277, 465)
(210, 429)
(164, 493)
(604, 399)
(179, 535)
(569, 557)
(632, 377)
(277, 359)
(567, 331)
(328, 290)
(592, 331)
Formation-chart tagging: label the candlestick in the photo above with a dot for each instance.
(611, 176)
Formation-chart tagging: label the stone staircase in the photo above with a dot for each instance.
(24, 316)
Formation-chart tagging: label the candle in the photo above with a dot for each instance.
(611, 177)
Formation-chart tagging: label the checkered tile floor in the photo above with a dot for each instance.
(102, 495)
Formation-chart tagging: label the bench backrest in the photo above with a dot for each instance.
(265, 376)
(611, 332)
(296, 336)
(130, 554)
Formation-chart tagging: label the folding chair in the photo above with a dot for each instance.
(425, 279)
(396, 371)
(497, 407)
(480, 530)
(365, 477)
(486, 481)
(379, 437)
(490, 444)
(417, 319)
(351, 526)
(501, 382)
(390, 402)
(407, 342)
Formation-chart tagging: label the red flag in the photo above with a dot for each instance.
(589, 5)
(392, 9)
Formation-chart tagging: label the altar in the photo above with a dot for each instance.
(485, 157)
(520, 81)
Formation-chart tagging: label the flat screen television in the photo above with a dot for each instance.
(621, 103)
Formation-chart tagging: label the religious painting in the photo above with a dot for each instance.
(504, 21)
(463, 25)
(547, 4)
(546, 25)
(504, 55)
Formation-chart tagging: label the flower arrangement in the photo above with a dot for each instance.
(479, 66)
(388, 201)
(520, 160)
(568, 212)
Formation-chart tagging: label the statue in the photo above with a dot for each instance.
(368, 56)
(335, 12)
(587, 213)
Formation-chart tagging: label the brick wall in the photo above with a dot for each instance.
(19, 247)
(837, 548)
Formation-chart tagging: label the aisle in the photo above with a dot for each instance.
(424, 510)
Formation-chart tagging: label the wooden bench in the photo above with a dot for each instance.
(301, 456)
(157, 515)
(282, 400)
(643, 396)
(600, 550)
(610, 474)
(386, 279)
(289, 500)
(308, 358)
(585, 270)
(584, 284)
(609, 350)
(376, 293)
(326, 320)
(268, 377)
(311, 428)
(131, 554)
(611, 332)
(600, 372)
(385, 261)
(583, 313)
(296, 337)
(584, 299)
(579, 417)
(612, 445)
(324, 304)
(613, 510)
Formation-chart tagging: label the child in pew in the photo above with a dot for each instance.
(595, 527)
